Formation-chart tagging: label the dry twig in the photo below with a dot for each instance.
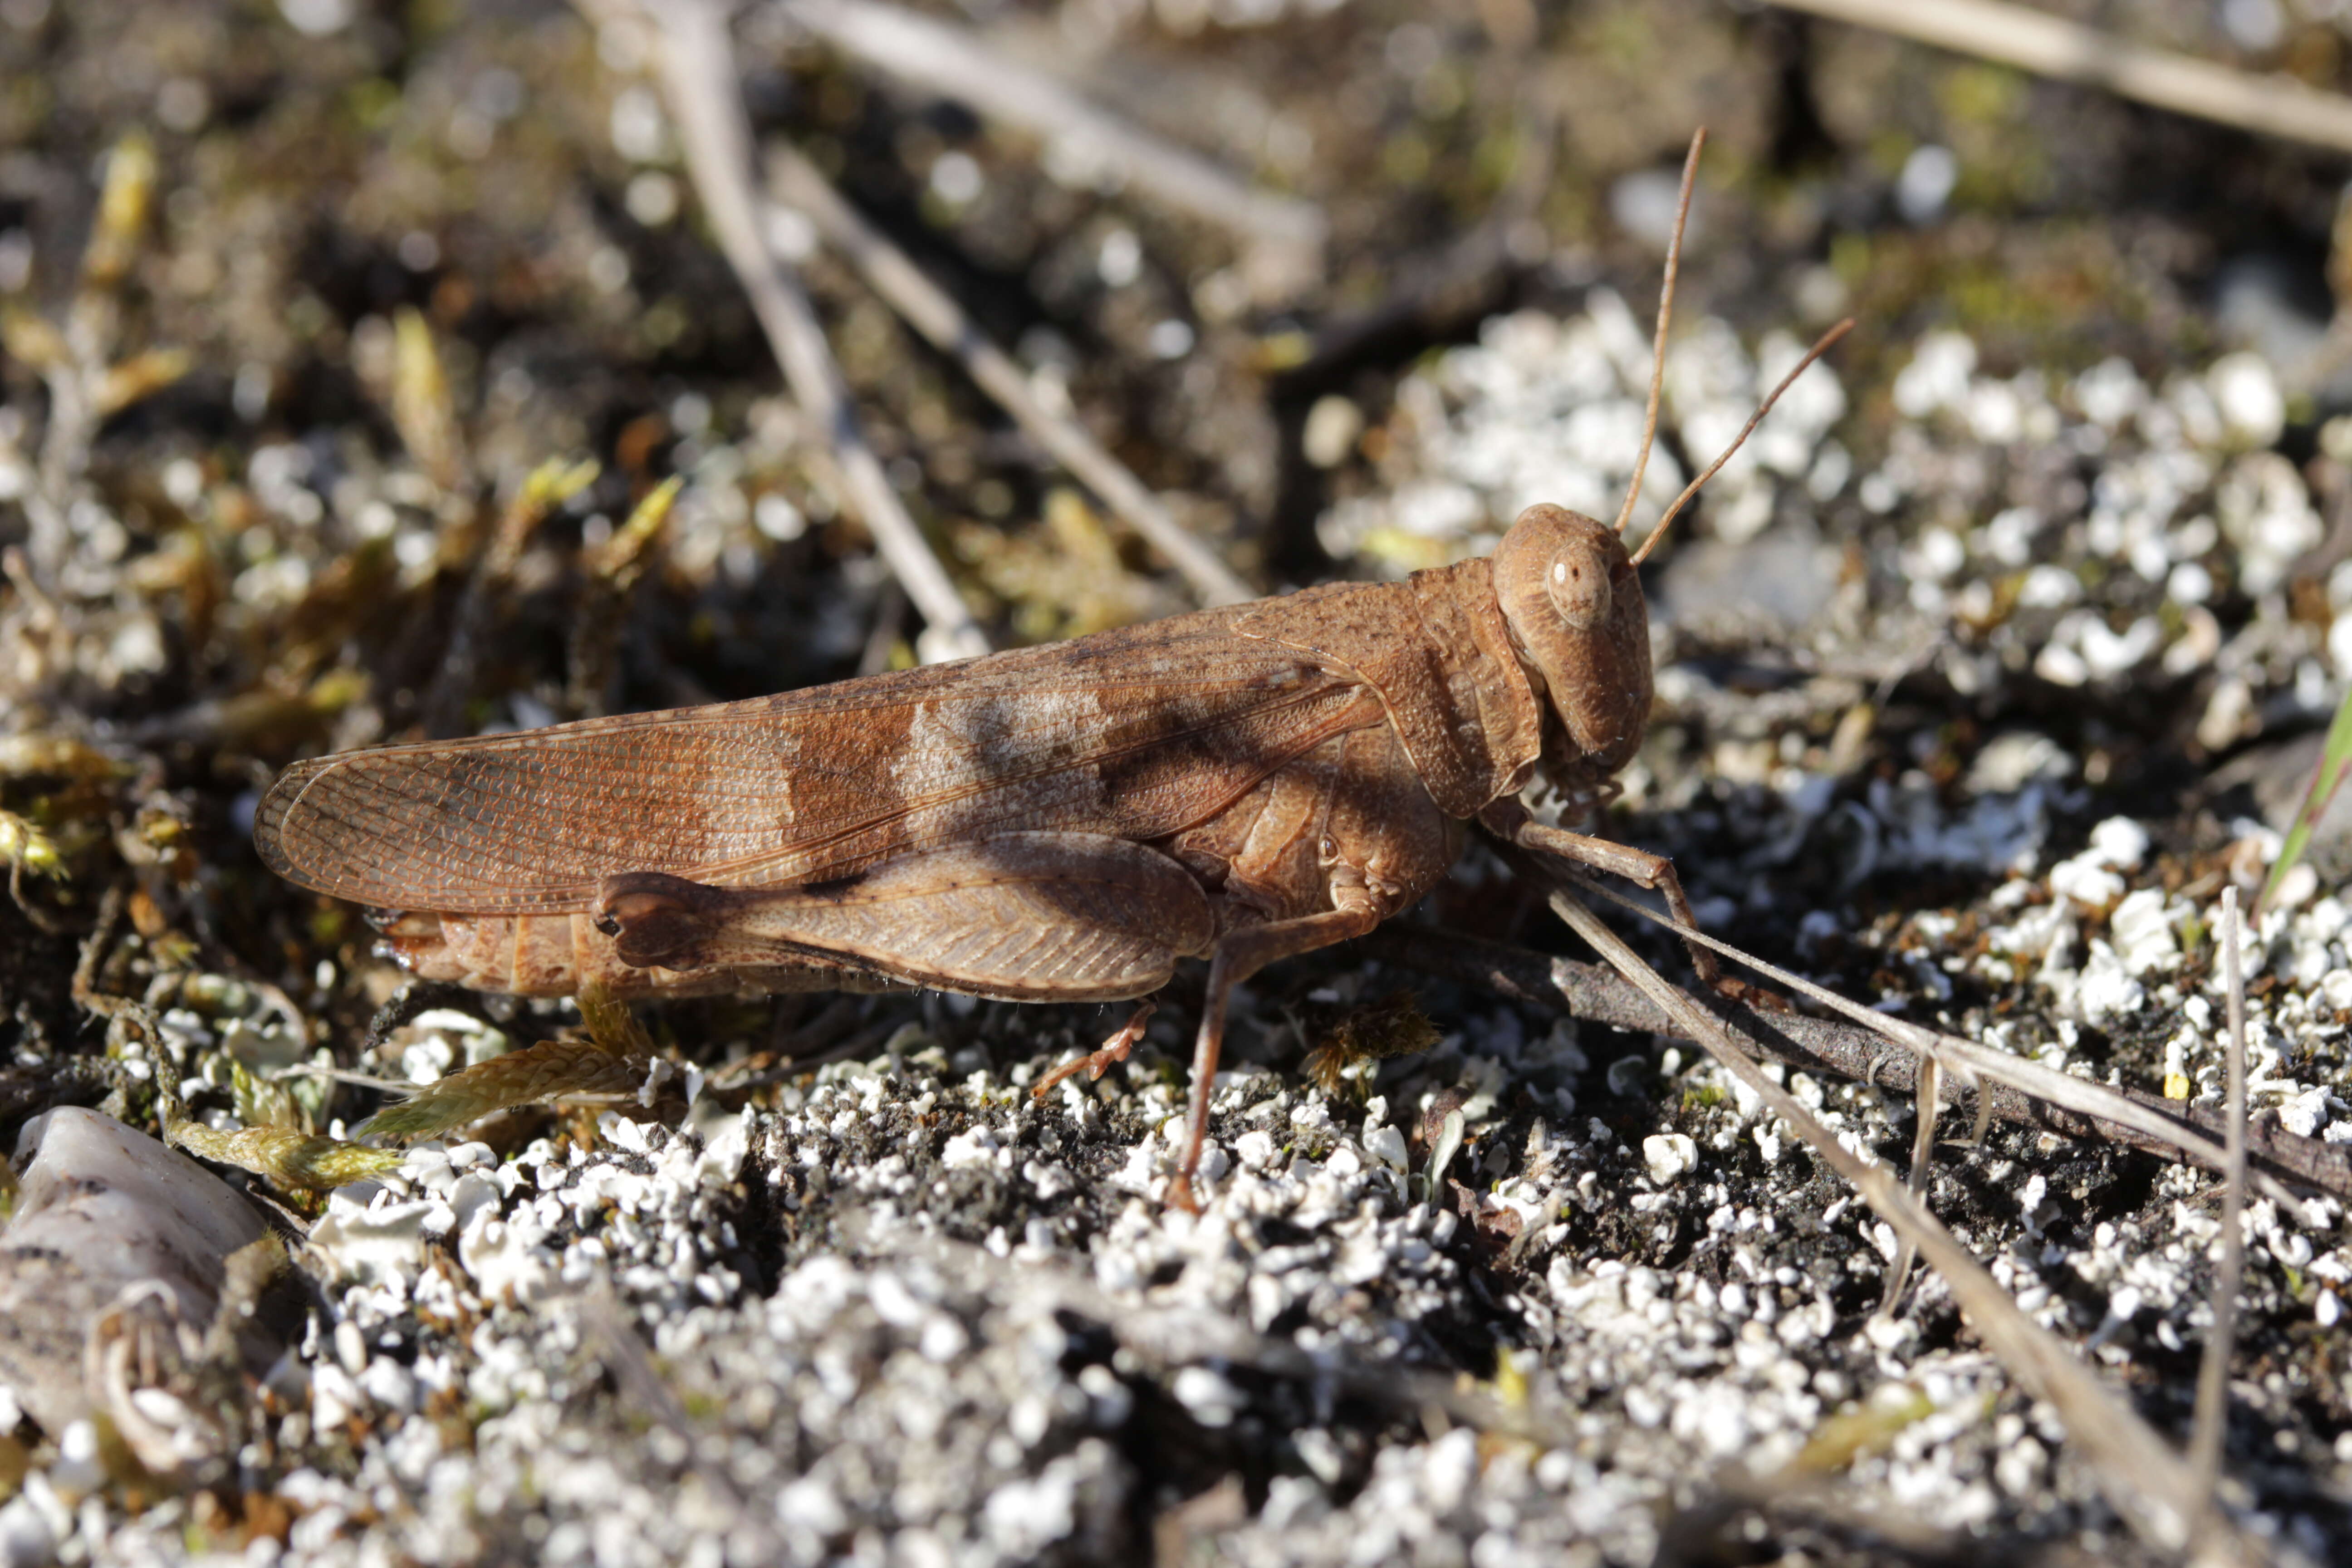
(796, 183)
(2145, 1480)
(1961, 1055)
(1593, 993)
(1284, 235)
(699, 79)
(2270, 105)
(2213, 1369)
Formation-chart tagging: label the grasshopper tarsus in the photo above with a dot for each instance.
(1096, 1063)
(1754, 997)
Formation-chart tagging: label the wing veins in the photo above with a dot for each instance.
(521, 811)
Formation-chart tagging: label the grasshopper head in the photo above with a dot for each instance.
(1574, 602)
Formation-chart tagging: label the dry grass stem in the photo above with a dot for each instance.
(1826, 1045)
(2270, 104)
(1285, 236)
(2077, 1094)
(2213, 1368)
(1928, 1102)
(796, 183)
(698, 80)
(2142, 1478)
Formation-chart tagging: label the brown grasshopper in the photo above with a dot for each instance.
(1057, 824)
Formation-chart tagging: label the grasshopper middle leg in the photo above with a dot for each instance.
(1240, 954)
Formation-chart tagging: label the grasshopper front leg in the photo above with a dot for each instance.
(1508, 821)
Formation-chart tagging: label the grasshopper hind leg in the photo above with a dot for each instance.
(1024, 917)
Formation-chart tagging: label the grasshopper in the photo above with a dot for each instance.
(1057, 824)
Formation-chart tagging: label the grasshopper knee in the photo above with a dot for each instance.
(653, 917)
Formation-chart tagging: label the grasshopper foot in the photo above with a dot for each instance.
(1096, 1063)
(1180, 1193)
(1748, 994)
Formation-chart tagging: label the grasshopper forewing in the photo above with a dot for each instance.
(1058, 824)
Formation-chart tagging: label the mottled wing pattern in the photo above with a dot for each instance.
(1136, 733)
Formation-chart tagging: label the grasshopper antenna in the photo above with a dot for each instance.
(1816, 351)
(1665, 314)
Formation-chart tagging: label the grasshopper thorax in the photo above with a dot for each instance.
(1573, 601)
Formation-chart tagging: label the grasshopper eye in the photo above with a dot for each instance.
(1578, 585)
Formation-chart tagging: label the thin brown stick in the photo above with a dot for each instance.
(1595, 994)
(1925, 1096)
(1284, 235)
(2143, 1479)
(796, 183)
(2213, 1368)
(1665, 316)
(699, 79)
(2044, 1083)
(2269, 104)
(1821, 346)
